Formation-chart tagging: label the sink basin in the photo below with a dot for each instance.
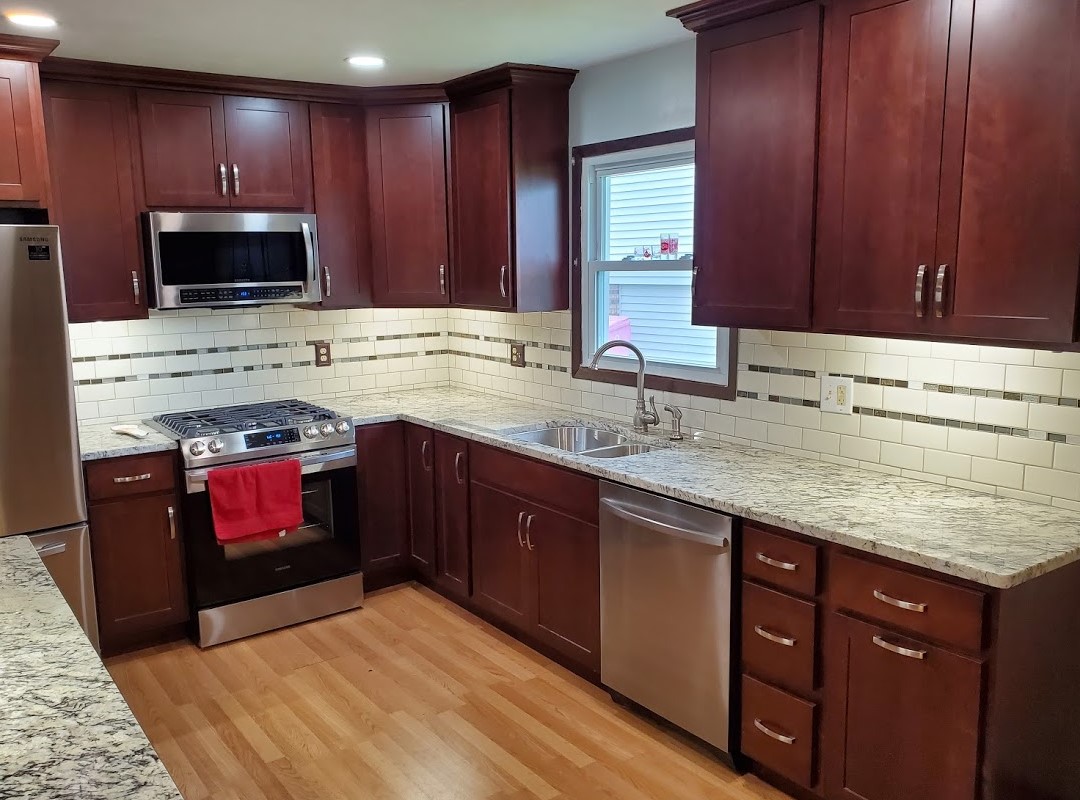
(617, 451)
(573, 439)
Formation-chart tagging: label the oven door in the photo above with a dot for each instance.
(231, 259)
(327, 544)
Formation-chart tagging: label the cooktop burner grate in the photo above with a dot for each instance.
(237, 419)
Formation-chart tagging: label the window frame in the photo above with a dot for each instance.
(677, 379)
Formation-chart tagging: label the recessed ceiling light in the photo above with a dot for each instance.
(31, 20)
(367, 62)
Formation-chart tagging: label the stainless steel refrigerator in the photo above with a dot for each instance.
(41, 483)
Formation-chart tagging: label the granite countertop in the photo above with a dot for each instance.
(995, 541)
(99, 441)
(65, 731)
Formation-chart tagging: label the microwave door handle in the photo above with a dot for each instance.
(309, 251)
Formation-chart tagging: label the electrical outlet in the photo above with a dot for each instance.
(323, 357)
(837, 395)
(517, 354)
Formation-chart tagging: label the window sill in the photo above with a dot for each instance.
(658, 383)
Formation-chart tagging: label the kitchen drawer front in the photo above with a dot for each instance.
(780, 561)
(575, 495)
(909, 602)
(130, 475)
(778, 730)
(779, 638)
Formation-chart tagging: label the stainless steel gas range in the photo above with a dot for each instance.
(246, 588)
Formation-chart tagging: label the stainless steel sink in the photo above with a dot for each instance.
(573, 439)
(617, 451)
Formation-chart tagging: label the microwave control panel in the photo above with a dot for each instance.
(234, 294)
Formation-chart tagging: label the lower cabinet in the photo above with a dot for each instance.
(384, 504)
(905, 716)
(420, 476)
(502, 584)
(452, 515)
(137, 550)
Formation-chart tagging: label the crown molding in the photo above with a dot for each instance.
(25, 48)
(706, 14)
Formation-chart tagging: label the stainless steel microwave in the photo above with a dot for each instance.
(231, 259)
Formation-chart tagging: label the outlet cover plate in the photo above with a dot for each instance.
(323, 357)
(517, 354)
(837, 395)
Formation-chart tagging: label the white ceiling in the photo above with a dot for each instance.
(422, 40)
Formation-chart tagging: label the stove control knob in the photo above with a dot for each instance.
(216, 446)
(342, 427)
(197, 448)
(326, 429)
(311, 431)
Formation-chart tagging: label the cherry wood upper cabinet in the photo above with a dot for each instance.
(339, 159)
(268, 146)
(406, 148)
(185, 163)
(1008, 245)
(882, 108)
(92, 135)
(902, 718)
(756, 140)
(510, 162)
(24, 173)
(213, 151)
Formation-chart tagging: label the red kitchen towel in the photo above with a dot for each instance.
(255, 502)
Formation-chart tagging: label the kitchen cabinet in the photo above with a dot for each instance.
(407, 173)
(452, 515)
(92, 134)
(213, 151)
(755, 170)
(509, 132)
(339, 169)
(384, 504)
(137, 549)
(905, 716)
(420, 475)
(23, 168)
(536, 553)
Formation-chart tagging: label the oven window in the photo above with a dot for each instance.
(318, 525)
(191, 257)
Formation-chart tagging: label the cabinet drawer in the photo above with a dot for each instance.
(576, 495)
(130, 475)
(778, 730)
(780, 561)
(941, 611)
(779, 638)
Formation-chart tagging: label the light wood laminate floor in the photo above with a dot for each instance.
(409, 698)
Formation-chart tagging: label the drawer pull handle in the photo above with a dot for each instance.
(918, 608)
(774, 637)
(134, 478)
(761, 726)
(907, 652)
(787, 566)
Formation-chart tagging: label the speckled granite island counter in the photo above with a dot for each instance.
(65, 731)
(994, 541)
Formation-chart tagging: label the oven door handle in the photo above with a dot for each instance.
(195, 479)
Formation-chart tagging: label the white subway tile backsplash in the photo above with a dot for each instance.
(973, 443)
(951, 465)
(997, 473)
(1033, 380)
(880, 365)
(880, 428)
(1026, 451)
(1055, 483)
(843, 362)
(1058, 419)
(1008, 413)
(979, 375)
(902, 456)
(860, 449)
(950, 406)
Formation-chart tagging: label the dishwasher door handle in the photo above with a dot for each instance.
(639, 516)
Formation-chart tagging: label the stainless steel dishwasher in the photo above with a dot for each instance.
(665, 609)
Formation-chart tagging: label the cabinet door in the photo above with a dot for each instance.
(268, 148)
(1010, 233)
(452, 513)
(138, 567)
(91, 136)
(882, 105)
(755, 170)
(501, 566)
(384, 503)
(338, 158)
(566, 555)
(480, 135)
(902, 717)
(407, 173)
(183, 149)
(420, 458)
(21, 166)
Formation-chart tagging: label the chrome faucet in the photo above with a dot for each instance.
(643, 418)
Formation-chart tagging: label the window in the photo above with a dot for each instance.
(637, 245)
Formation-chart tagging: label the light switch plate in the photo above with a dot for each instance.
(517, 354)
(837, 395)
